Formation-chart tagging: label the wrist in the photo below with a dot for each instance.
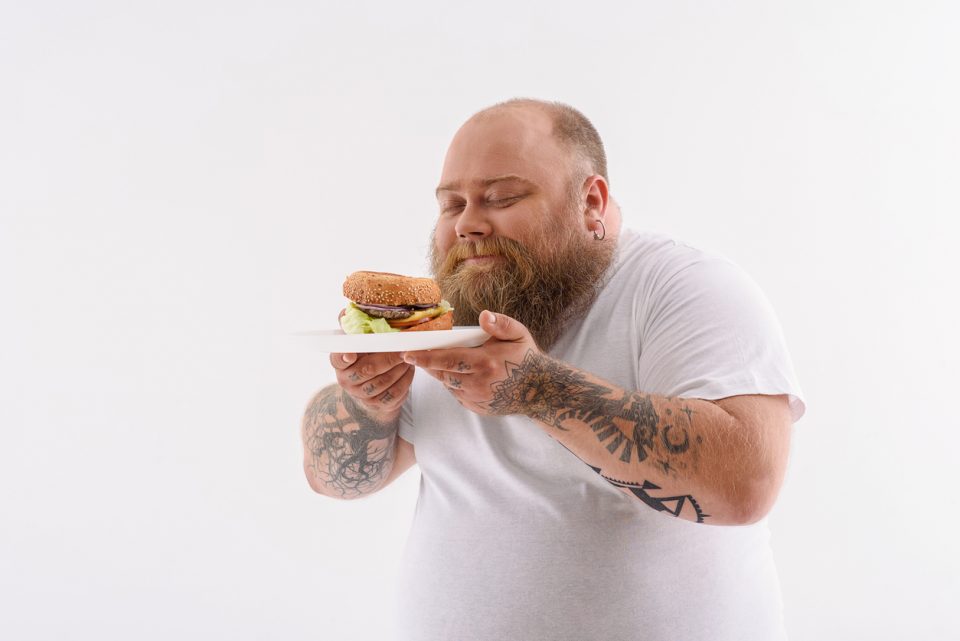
(381, 416)
(535, 388)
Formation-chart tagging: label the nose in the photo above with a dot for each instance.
(472, 223)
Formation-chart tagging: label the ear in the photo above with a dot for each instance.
(596, 196)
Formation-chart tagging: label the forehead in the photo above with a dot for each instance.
(511, 141)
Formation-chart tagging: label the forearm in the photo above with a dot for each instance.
(348, 451)
(684, 456)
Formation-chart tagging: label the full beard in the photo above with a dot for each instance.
(544, 289)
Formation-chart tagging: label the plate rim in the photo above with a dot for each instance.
(380, 343)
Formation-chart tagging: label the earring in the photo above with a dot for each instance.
(597, 236)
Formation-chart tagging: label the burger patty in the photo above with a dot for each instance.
(391, 313)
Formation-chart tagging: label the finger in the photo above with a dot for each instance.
(369, 366)
(394, 396)
(452, 381)
(460, 360)
(502, 327)
(342, 360)
(378, 384)
(441, 375)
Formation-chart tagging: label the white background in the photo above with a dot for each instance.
(184, 184)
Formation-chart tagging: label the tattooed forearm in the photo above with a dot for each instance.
(554, 393)
(347, 453)
(542, 389)
(670, 504)
(627, 424)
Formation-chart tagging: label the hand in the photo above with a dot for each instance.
(485, 379)
(377, 382)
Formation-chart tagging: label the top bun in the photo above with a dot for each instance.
(381, 288)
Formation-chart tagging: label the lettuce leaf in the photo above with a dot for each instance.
(356, 321)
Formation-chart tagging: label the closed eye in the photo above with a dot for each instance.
(505, 202)
(451, 208)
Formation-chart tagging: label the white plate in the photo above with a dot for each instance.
(334, 340)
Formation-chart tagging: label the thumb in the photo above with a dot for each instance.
(502, 327)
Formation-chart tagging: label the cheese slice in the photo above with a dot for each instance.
(421, 316)
(417, 317)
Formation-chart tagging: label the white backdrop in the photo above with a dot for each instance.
(184, 184)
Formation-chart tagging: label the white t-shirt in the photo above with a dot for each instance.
(515, 538)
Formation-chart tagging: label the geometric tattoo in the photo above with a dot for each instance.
(670, 504)
(350, 451)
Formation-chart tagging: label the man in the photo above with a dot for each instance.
(635, 396)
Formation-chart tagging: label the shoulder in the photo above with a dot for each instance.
(662, 263)
(680, 289)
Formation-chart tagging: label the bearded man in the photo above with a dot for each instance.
(601, 468)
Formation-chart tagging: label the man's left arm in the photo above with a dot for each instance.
(720, 462)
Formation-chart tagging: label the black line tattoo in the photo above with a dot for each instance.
(670, 504)
(672, 446)
(455, 383)
(463, 367)
(350, 452)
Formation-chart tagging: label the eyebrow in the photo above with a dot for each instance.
(484, 182)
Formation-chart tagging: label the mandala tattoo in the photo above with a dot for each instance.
(350, 452)
(541, 388)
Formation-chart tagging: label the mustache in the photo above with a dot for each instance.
(495, 246)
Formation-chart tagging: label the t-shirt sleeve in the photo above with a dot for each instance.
(708, 331)
(406, 429)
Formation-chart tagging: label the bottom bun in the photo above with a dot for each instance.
(440, 322)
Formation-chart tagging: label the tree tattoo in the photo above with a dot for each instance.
(553, 393)
(350, 451)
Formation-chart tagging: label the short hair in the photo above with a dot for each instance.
(571, 127)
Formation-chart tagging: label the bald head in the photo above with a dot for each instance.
(575, 133)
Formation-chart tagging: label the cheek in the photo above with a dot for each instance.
(444, 236)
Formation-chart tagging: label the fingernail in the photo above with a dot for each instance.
(348, 358)
(409, 359)
(491, 317)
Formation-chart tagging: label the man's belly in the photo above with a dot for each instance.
(610, 574)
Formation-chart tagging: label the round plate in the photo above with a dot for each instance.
(334, 340)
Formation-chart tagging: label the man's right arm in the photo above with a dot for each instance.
(351, 447)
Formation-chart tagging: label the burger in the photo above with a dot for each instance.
(381, 302)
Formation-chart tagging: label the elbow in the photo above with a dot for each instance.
(317, 485)
(331, 490)
(753, 502)
(748, 512)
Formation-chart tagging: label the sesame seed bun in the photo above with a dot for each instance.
(382, 288)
